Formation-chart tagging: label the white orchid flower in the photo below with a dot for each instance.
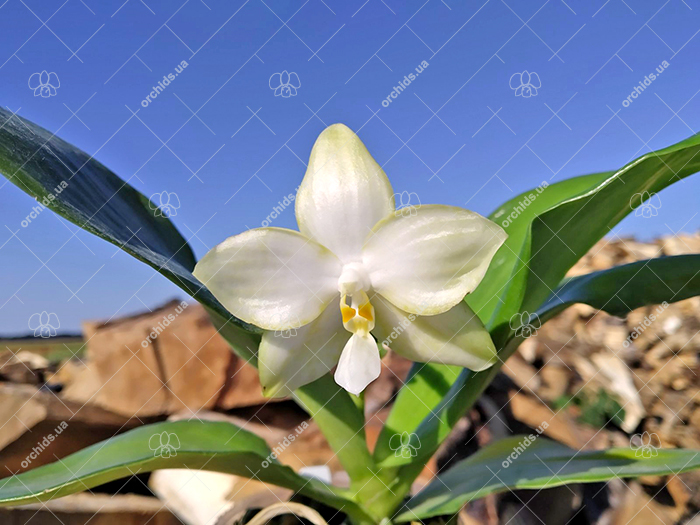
(354, 269)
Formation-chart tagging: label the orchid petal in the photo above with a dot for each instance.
(426, 263)
(456, 337)
(310, 352)
(359, 364)
(274, 278)
(344, 193)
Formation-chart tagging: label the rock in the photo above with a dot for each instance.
(636, 507)
(559, 425)
(38, 427)
(19, 411)
(165, 361)
(620, 382)
(695, 418)
(528, 349)
(679, 492)
(23, 367)
(242, 386)
(681, 244)
(680, 383)
(677, 366)
(555, 382)
(657, 356)
(522, 373)
(672, 324)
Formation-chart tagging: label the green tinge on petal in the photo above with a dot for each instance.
(426, 261)
(344, 193)
(456, 337)
(290, 359)
(273, 278)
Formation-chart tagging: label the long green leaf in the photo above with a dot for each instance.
(513, 464)
(214, 446)
(422, 391)
(516, 217)
(563, 234)
(98, 201)
(623, 288)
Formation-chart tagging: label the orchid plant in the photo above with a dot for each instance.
(442, 286)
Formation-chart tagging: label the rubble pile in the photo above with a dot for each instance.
(603, 381)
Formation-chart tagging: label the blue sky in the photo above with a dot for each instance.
(458, 134)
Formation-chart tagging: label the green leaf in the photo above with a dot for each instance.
(513, 464)
(621, 289)
(84, 191)
(214, 446)
(423, 389)
(100, 202)
(516, 217)
(560, 236)
(433, 429)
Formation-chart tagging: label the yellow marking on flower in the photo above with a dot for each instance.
(347, 312)
(367, 311)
